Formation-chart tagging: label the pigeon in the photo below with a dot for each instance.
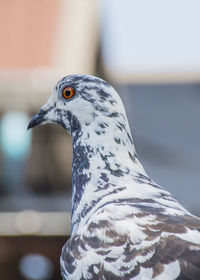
(123, 224)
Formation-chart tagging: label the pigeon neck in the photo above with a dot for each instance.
(103, 159)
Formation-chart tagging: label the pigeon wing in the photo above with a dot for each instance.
(143, 245)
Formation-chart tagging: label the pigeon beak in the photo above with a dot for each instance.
(37, 119)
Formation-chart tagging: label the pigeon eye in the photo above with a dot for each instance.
(68, 92)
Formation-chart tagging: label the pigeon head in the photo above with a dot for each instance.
(77, 101)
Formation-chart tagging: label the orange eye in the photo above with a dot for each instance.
(68, 92)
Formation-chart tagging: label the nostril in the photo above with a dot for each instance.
(42, 112)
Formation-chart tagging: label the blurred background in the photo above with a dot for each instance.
(149, 51)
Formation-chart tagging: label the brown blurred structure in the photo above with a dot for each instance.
(27, 33)
(42, 41)
(12, 250)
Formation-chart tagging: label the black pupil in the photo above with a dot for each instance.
(67, 93)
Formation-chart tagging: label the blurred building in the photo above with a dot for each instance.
(41, 41)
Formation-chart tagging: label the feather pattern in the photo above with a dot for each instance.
(123, 225)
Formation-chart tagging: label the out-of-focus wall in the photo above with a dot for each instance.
(27, 32)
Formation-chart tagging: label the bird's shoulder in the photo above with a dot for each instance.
(120, 242)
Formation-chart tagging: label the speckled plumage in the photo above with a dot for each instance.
(123, 225)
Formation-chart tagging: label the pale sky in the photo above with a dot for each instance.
(151, 35)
